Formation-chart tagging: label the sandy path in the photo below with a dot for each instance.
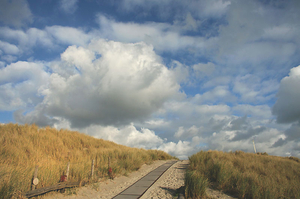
(167, 185)
(109, 188)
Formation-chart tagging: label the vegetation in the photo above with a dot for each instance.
(243, 175)
(22, 147)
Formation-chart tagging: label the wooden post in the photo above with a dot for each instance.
(35, 179)
(92, 169)
(67, 172)
(96, 164)
(109, 169)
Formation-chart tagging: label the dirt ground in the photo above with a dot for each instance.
(165, 187)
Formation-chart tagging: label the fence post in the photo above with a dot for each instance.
(35, 180)
(109, 169)
(96, 164)
(67, 172)
(92, 169)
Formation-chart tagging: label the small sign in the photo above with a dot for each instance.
(35, 181)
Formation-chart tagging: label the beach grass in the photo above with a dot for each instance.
(244, 175)
(23, 147)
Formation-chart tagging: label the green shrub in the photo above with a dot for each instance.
(195, 184)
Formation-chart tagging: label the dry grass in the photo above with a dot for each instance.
(248, 175)
(22, 147)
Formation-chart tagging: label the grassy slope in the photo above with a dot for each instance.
(245, 175)
(24, 147)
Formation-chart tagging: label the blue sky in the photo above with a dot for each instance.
(180, 76)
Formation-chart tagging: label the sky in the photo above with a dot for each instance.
(178, 76)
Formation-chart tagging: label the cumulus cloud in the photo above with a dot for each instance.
(182, 149)
(132, 136)
(15, 12)
(113, 84)
(128, 135)
(287, 107)
(20, 83)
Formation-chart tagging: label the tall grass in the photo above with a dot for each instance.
(195, 184)
(248, 175)
(22, 147)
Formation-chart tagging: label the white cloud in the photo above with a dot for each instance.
(212, 109)
(9, 48)
(217, 94)
(68, 6)
(204, 69)
(252, 89)
(15, 12)
(162, 36)
(8, 58)
(19, 85)
(157, 123)
(27, 39)
(181, 149)
(260, 37)
(69, 35)
(281, 33)
(215, 8)
(50, 38)
(218, 81)
(287, 107)
(126, 82)
(167, 8)
(258, 111)
(2, 64)
(187, 133)
(129, 135)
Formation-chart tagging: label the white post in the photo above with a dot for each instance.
(67, 173)
(254, 147)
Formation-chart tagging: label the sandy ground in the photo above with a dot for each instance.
(214, 194)
(106, 189)
(165, 187)
(168, 184)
